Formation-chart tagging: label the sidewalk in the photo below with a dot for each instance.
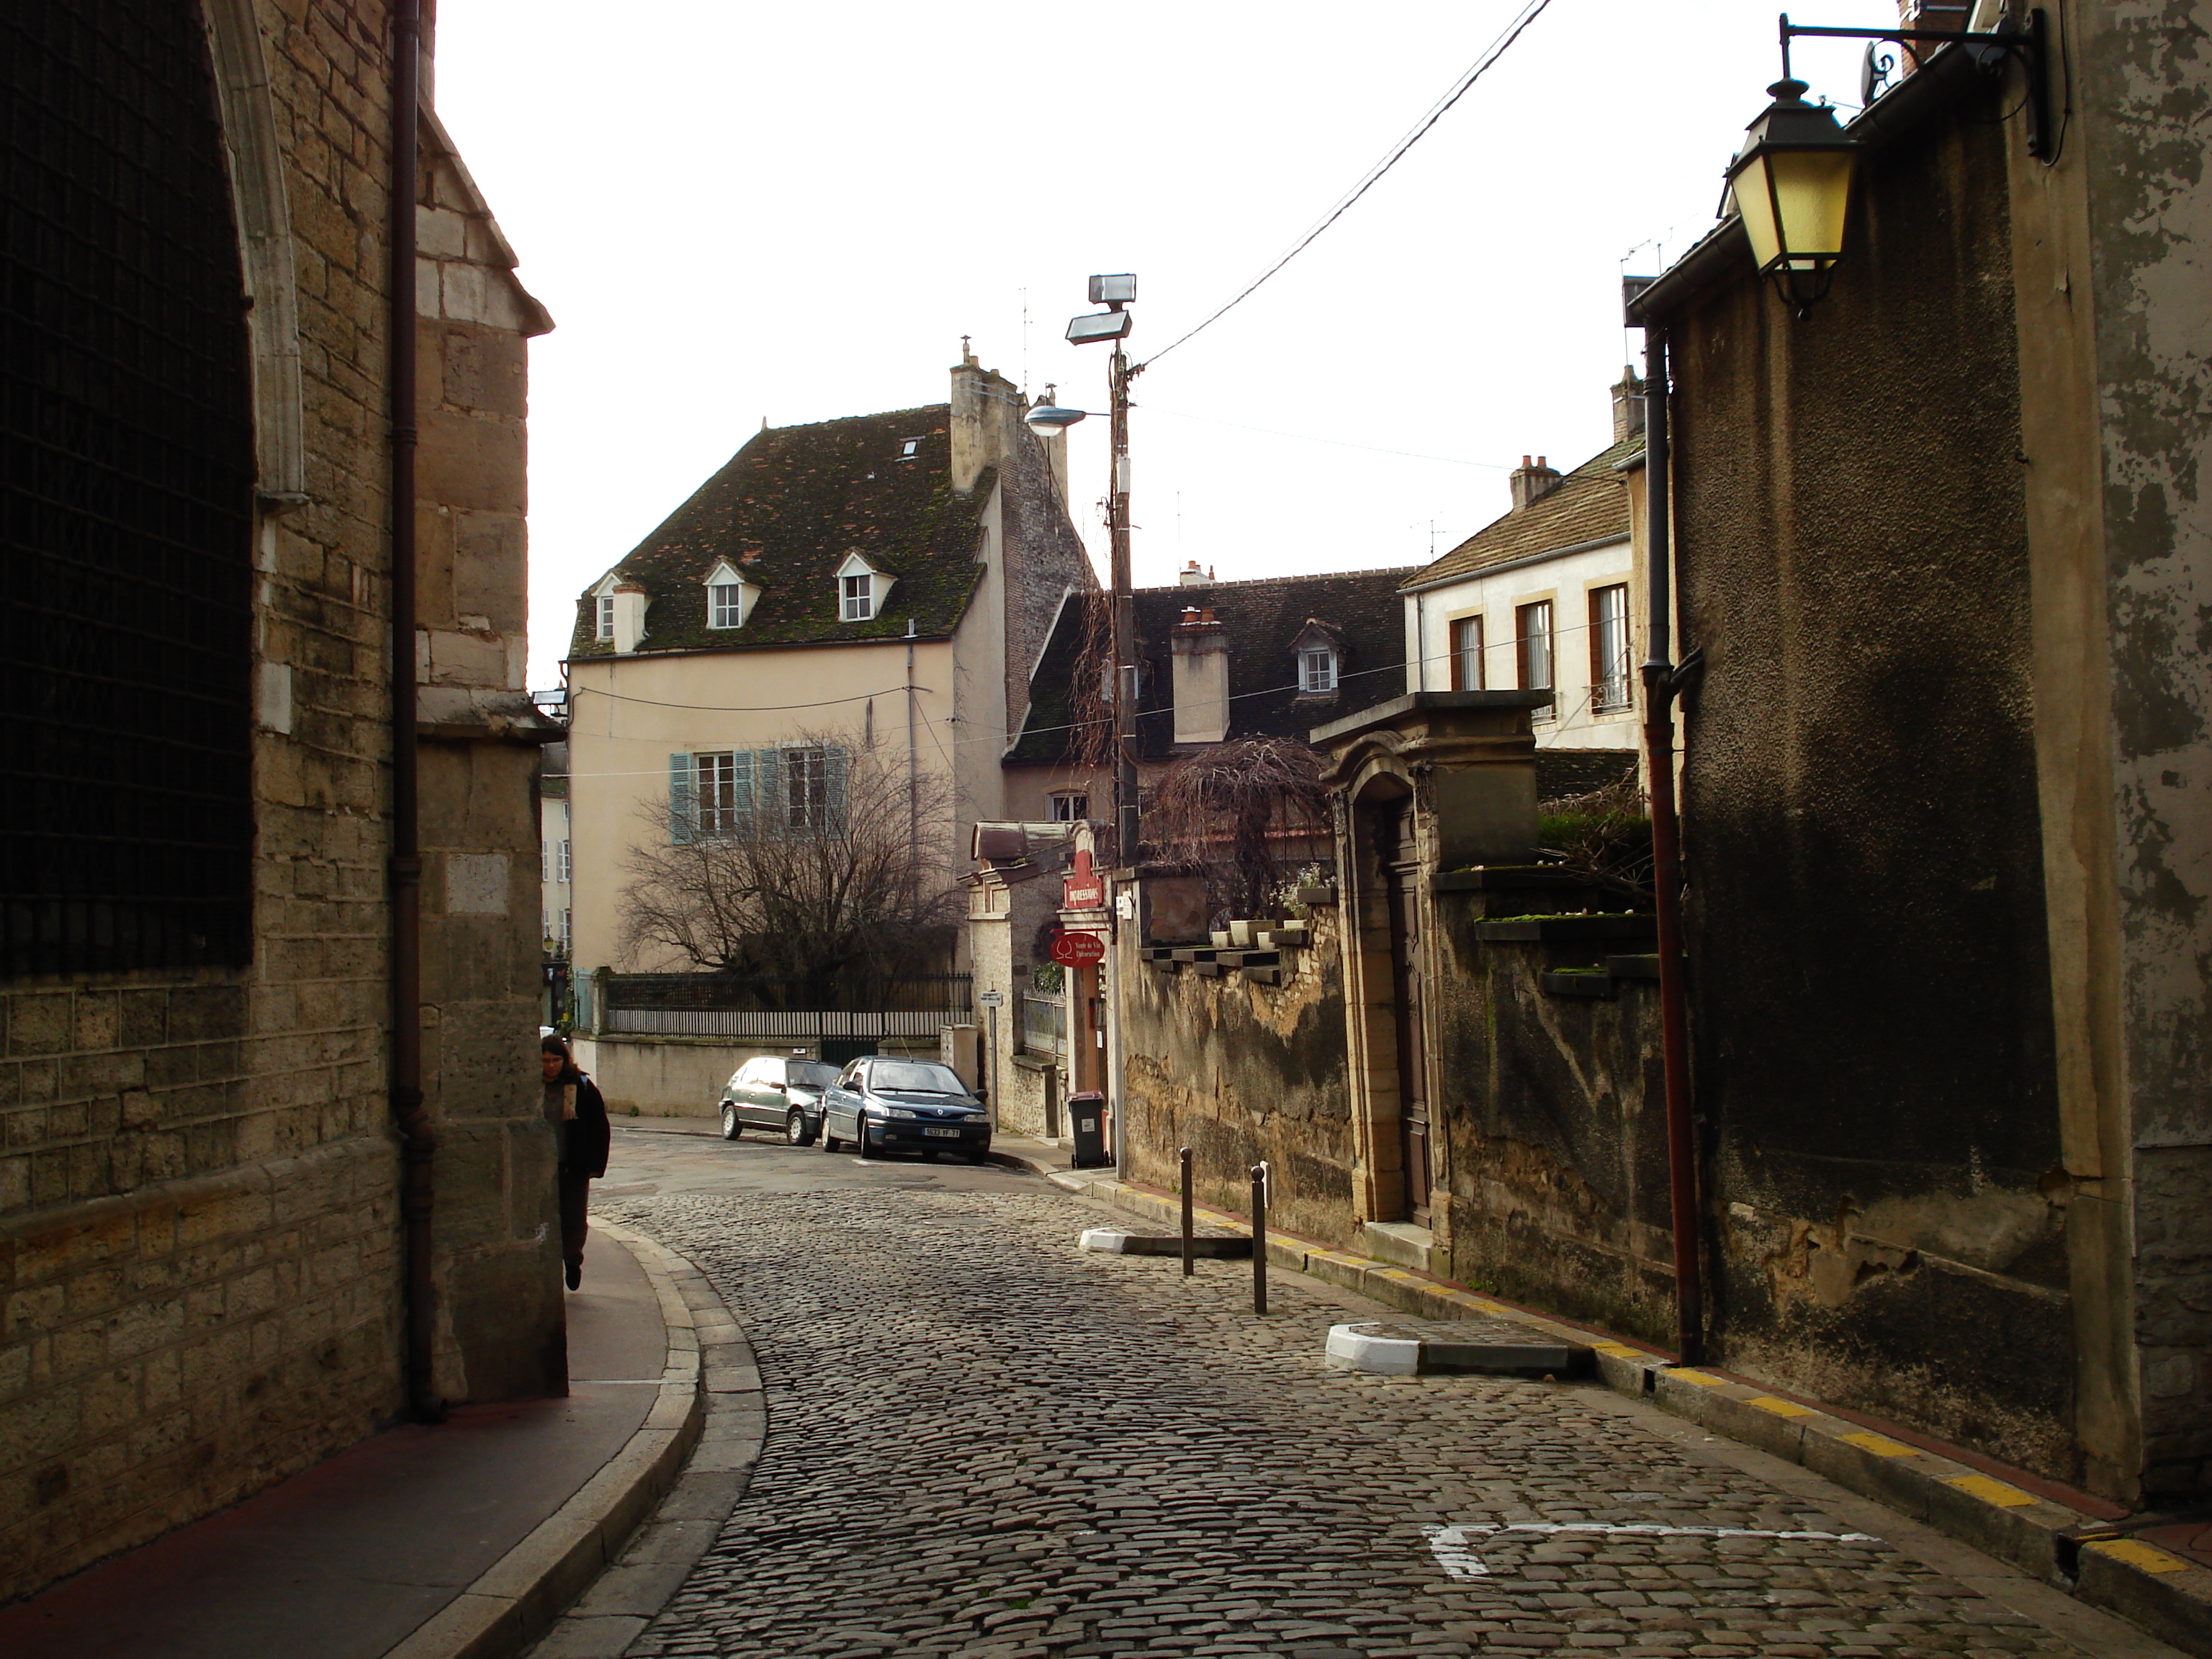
(435, 1541)
(2154, 1570)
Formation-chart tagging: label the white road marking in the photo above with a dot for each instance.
(1450, 1545)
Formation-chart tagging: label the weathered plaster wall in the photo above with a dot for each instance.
(1240, 1071)
(1875, 1054)
(1554, 1113)
(2146, 92)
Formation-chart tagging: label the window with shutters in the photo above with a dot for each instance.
(717, 806)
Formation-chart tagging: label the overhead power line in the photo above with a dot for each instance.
(1498, 48)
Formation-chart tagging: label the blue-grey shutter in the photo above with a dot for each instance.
(768, 790)
(743, 789)
(833, 788)
(682, 799)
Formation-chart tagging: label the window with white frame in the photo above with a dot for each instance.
(1608, 632)
(606, 614)
(725, 605)
(806, 788)
(1533, 647)
(716, 807)
(1070, 806)
(568, 928)
(1317, 668)
(1467, 654)
(544, 860)
(561, 861)
(860, 598)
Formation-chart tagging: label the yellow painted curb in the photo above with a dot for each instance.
(1703, 1379)
(1990, 1491)
(1879, 1444)
(1619, 1351)
(2148, 1558)
(1767, 1402)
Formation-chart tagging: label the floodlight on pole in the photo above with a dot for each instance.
(1094, 325)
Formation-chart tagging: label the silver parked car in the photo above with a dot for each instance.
(879, 1104)
(771, 1092)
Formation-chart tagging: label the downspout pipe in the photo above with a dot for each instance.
(418, 1141)
(1661, 685)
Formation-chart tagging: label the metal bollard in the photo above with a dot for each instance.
(1189, 1251)
(1259, 1238)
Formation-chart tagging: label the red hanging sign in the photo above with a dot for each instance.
(1077, 949)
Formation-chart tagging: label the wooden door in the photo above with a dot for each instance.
(1401, 883)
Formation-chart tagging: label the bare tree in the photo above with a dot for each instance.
(1244, 814)
(815, 862)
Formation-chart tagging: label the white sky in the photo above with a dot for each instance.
(737, 211)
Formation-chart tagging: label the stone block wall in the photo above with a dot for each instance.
(1239, 1071)
(200, 1257)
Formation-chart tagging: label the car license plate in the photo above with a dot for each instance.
(949, 1132)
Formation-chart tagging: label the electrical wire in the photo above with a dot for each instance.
(1374, 175)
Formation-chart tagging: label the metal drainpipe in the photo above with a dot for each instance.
(1659, 691)
(418, 1142)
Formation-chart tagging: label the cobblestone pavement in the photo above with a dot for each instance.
(983, 1442)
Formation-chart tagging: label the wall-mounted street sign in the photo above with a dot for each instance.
(1078, 949)
(990, 998)
(1083, 888)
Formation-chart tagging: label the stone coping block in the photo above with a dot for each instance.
(2085, 1555)
(1113, 1240)
(1429, 1348)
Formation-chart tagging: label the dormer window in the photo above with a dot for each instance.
(1317, 668)
(730, 597)
(606, 628)
(860, 590)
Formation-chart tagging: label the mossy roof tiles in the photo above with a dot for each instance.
(1590, 504)
(786, 511)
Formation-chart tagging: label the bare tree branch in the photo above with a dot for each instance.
(1244, 814)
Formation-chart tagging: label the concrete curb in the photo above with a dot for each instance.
(615, 1611)
(523, 1593)
(2166, 1595)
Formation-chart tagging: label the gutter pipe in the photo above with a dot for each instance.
(1661, 683)
(418, 1141)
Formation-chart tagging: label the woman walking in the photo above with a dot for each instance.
(573, 1106)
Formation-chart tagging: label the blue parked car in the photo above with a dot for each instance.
(879, 1104)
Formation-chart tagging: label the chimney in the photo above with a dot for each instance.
(1200, 668)
(1627, 407)
(1927, 14)
(1532, 483)
(1192, 576)
(986, 412)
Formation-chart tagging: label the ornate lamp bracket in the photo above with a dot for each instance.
(2029, 45)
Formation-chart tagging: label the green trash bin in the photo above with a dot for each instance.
(1086, 1115)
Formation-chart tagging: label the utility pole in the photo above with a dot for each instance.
(1125, 620)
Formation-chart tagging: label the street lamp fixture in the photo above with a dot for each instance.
(1047, 417)
(1791, 184)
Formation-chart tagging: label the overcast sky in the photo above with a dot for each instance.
(737, 211)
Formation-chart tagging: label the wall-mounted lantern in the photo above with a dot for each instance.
(1791, 183)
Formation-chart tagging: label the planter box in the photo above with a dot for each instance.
(1240, 934)
(1567, 930)
(1314, 896)
(1577, 985)
(1221, 937)
(1507, 879)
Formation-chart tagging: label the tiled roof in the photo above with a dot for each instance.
(1590, 504)
(1262, 621)
(786, 510)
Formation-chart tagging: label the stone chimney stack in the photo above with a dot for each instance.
(1201, 668)
(1627, 407)
(1531, 484)
(986, 415)
(1192, 576)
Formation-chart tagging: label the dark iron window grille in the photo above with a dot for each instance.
(126, 476)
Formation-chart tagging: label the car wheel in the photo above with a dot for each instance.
(829, 1140)
(731, 1127)
(794, 1128)
(860, 1141)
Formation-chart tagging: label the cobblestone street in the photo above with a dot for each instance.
(981, 1441)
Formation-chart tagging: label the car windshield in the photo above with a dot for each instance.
(915, 1077)
(813, 1073)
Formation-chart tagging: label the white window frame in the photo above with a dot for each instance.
(806, 787)
(606, 628)
(1535, 652)
(714, 794)
(562, 865)
(1064, 803)
(725, 604)
(1317, 670)
(857, 598)
(1611, 685)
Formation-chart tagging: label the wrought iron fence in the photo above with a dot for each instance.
(729, 1006)
(1044, 1025)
